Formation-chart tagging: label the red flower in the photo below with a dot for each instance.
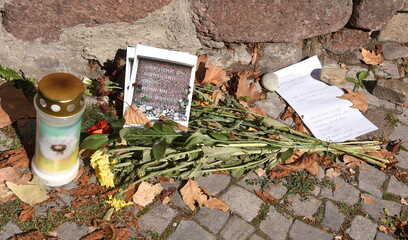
(100, 127)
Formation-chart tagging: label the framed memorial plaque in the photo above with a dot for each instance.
(160, 82)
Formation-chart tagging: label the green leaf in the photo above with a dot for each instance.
(95, 141)
(194, 139)
(159, 150)
(386, 211)
(350, 79)
(286, 155)
(123, 132)
(237, 173)
(218, 136)
(118, 124)
(158, 126)
(362, 75)
(9, 74)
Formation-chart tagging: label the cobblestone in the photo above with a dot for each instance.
(212, 219)
(362, 229)
(371, 180)
(276, 190)
(71, 231)
(9, 230)
(305, 208)
(188, 230)
(302, 231)
(333, 218)
(214, 183)
(397, 188)
(376, 209)
(157, 218)
(237, 228)
(344, 192)
(275, 225)
(242, 202)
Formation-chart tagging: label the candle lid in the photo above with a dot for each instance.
(60, 95)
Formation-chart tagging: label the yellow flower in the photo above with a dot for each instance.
(117, 203)
(100, 162)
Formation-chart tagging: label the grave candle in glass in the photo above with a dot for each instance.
(59, 103)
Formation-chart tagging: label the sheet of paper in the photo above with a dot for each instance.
(328, 117)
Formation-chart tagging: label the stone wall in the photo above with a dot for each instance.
(43, 36)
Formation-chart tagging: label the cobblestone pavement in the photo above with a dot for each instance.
(342, 210)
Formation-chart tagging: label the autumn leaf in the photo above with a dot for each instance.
(357, 98)
(82, 177)
(192, 193)
(366, 199)
(15, 158)
(278, 172)
(246, 91)
(133, 115)
(307, 162)
(27, 212)
(32, 193)
(371, 58)
(216, 203)
(351, 162)
(212, 74)
(259, 172)
(332, 173)
(266, 197)
(14, 105)
(146, 193)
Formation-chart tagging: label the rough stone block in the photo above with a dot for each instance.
(214, 183)
(397, 188)
(274, 56)
(157, 218)
(276, 190)
(396, 29)
(391, 90)
(250, 187)
(383, 236)
(306, 208)
(212, 219)
(237, 229)
(371, 180)
(9, 230)
(376, 209)
(362, 229)
(392, 51)
(333, 76)
(346, 40)
(373, 14)
(286, 21)
(333, 218)
(242, 202)
(275, 225)
(302, 231)
(256, 237)
(344, 193)
(29, 20)
(187, 230)
(71, 231)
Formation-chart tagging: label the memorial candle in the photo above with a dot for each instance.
(59, 103)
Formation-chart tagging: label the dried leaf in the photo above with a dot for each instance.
(133, 115)
(371, 58)
(33, 235)
(82, 177)
(15, 158)
(14, 105)
(5, 193)
(192, 193)
(351, 162)
(245, 90)
(216, 203)
(27, 213)
(332, 173)
(357, 98)
(307, 162)
(212, 74)
(366, 199)
(32, 193)
(259, 172)
(257, 47)
(257, 110)
(403, 201)
(266, 197)
(87, 190)
(278, 172)
(146, 193)
(383, 228)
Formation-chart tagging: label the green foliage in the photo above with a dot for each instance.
(27, 85)
(9, 74)
(358, 83)
(392, 119)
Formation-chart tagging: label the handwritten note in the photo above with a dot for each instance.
(327, 116)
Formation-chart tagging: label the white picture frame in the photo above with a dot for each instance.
(159, 57)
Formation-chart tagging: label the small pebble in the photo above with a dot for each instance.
(270, 82)
(333, 76)
(393, 51)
